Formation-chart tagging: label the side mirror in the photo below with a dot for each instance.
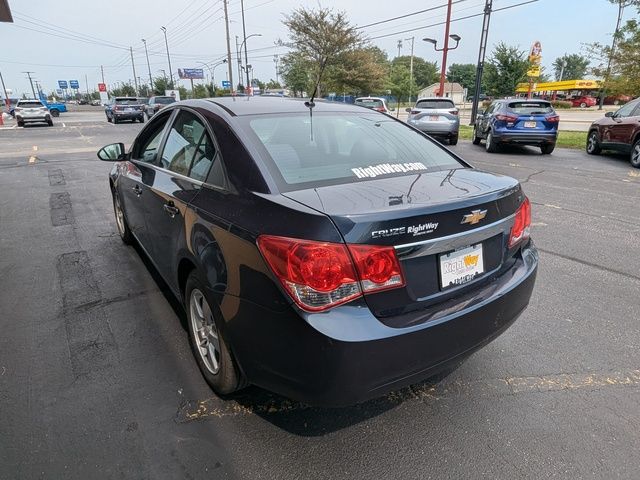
(408, 110)
(609, 114)
(112, 153)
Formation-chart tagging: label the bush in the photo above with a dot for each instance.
(561, 105)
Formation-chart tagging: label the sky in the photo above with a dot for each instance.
(100, 33)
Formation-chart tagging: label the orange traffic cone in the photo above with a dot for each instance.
(1, 119)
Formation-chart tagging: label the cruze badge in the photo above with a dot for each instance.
(474, 217)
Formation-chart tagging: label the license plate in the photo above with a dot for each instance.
(128, 109)
(434, 118)
(461, 266)
(529, 124)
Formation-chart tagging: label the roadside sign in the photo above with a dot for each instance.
(63, 84)
(59, 91)
(102, 87)
(74, 84)
(191, 73)
(173, 93)
(226, 84)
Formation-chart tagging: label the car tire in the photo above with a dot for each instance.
(491, 145)
(583, 105)
(50, 122)
(208, 344)
(476, 139)
(635, 154)
(55, 113)
(141, 119)
(114, 119)
(547, 148)
(453, 140)
(108, 119)
(21, 124)
(121, 220)
(593, 144)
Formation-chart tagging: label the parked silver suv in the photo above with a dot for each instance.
(437, 117)
(31, 111)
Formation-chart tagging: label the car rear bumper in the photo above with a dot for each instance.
(33, 118)
(437, 129)
(127, 115)
(525, 138)
(347, 356)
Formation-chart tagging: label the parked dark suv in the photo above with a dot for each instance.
(619, 131)
(124, 108)
(330, 260)
(519, 122)
(155, 104)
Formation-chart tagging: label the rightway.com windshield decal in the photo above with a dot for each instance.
(372, 171)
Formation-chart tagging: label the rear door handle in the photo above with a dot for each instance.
(137, 190)
(171, 209)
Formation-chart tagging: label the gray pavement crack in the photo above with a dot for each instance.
(531, 176)
(591, 264)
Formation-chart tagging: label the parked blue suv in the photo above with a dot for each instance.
(521, 122)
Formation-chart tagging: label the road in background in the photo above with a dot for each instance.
(97, 379)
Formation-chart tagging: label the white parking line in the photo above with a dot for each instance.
(63, 125)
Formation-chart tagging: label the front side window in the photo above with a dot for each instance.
(627, 109)
(342, 148)
(147, 148)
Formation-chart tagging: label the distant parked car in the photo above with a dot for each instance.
(436, 116)
(155, 104)
(617, 99)
(521, 122)
(619, 131)
(32, 111)
(481, 98)
(82, 102)
(583, 101)
(374, 103)
(96, 103)
(124, 108)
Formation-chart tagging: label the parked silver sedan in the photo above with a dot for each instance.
(437, 117)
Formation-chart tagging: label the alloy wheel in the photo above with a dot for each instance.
(119, 215)
(204, 331)
(592, 142)
(635, 155)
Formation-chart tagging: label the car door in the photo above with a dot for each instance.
(183, 166)
(137, 175)
(486, 118)
(619, 131)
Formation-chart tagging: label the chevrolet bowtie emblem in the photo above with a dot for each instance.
(474, 217)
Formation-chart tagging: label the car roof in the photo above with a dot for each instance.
(369, 98)
(239, 106)
(29, 100)
(435, 98)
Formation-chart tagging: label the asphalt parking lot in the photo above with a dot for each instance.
(97, 379)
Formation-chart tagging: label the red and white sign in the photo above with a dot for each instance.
(102, 87)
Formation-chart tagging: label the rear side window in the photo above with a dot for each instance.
(164, 100)
(435, 104)
(126, 101)
(342, 148)
(369, 103)
(530, 108)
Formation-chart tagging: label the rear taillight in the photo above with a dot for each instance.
(321, 275)
(116, 108)
(380, 109)
(506, 118)
(415, 112)
(521, 225)
(453, 112)
(553, 119)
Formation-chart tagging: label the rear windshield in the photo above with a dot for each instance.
(165, 100)
(369, 103)
(435, 104)
(126, 101)
(344, 148)
(530, 108)
(30, 104)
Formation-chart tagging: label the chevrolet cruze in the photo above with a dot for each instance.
(322, 251)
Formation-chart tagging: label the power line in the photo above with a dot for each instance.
(359, 27)
(452, 20)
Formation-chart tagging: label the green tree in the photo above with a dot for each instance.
(295, 73)
(464, 74)
(506, 67)
(160, 84)
(424, 73)
(183, 93)
(125, 90)
(273, 85)
(399, 83)
(361, 70)
(575, 67)
(199, 91)
(320, 38)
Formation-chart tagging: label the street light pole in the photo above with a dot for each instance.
(148, 64)
(213, 70)
(33, 90)
(411, 67)
(226, 22)
(446, 48)
(276, 60)
(481, 55)
(246, 61)
(166, 43)
(133, 66)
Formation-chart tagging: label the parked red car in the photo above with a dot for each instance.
(583, 101)
(617, 99)
(619, 131)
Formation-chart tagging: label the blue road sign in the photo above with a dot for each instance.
(74, 84)
(226, 84)
(63, 84)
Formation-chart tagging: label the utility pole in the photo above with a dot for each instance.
(133, 66)
(443, 72)
(244, 34)
(33, 90)
(239, 55)
(276, 60)
(86, 82)
(166, 43)
(621, 5)
(102, 72)
(6, 97)
(411, 68)
(481, 55)
(146, 52)
(226, 22)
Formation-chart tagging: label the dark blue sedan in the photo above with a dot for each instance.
(521, 122)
